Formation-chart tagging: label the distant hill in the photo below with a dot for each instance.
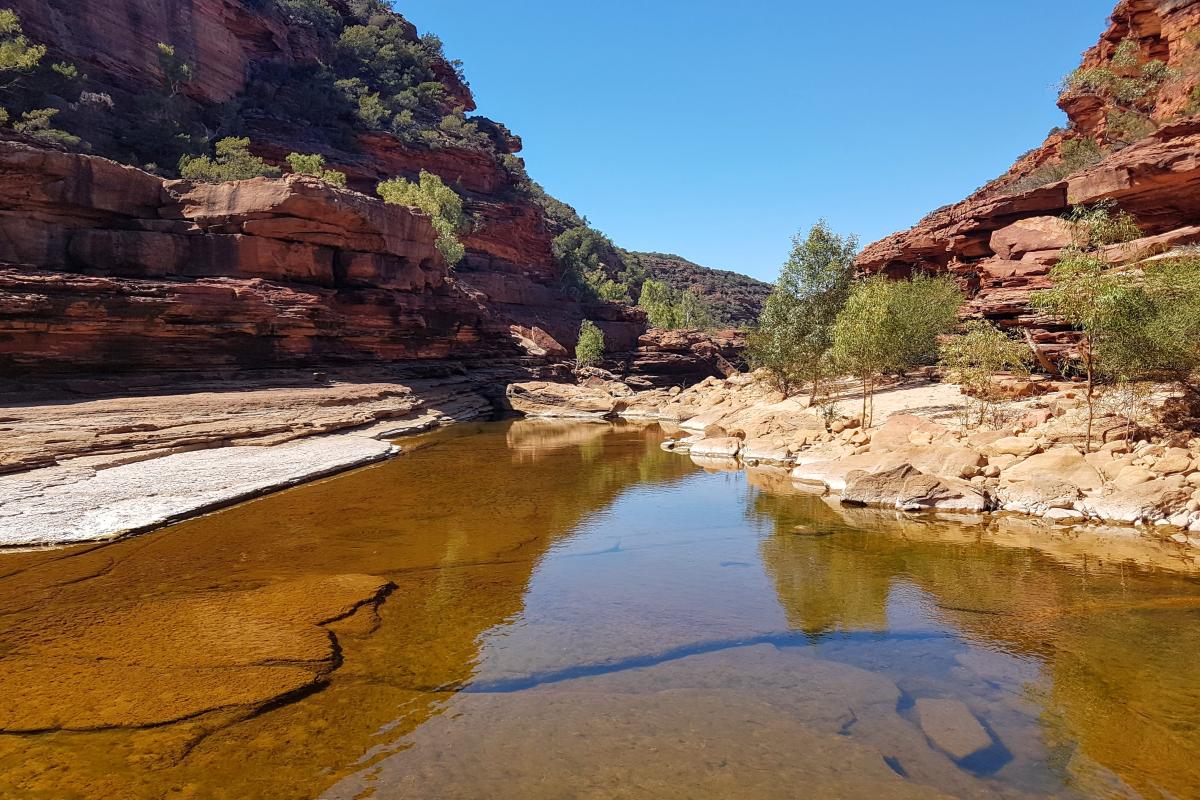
(735, 299)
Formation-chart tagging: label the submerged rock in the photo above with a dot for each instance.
(952, 727)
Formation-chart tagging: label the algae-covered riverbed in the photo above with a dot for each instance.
(543, 610)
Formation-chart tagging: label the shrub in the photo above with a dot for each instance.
(176, 71)
(315, 14)
(589, 350)
(1074, 156)
(233, 162)
(891, 326)
(592, 268)
(977, 354)
(36, 125)
(314, 165)
(17, 56)
(1100, 225)
(441, 203)
(668, 309)
(1126, 127)
(1124, 80)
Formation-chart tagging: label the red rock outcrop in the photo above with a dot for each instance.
(108, 268)
(1001, 244)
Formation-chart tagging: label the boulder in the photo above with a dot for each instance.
(1030, 235)
(1132, 476)
(908, 489)
(1175, 461)
(1020, 446)
(565, 400)
(722, 447)
(1060, 465)
(1144, 502)
(1037, 497)
(897, 432)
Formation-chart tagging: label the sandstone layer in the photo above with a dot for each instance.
(1002, 241)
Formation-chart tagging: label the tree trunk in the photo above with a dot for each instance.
(1091, 399)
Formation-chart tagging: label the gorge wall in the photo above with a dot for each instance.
(107, 267)
(1141, 151)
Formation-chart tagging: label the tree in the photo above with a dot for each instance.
(592, 267)
(233, 162)
(176, 71)
(668, 309)
(17, 56)
(793, 336)
(314, 165)
(590, 348)
(891, 326)
(977, 354)
(1103, 305)
(442, 205)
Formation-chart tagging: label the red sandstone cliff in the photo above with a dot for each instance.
(105, 267)
(1002, 241)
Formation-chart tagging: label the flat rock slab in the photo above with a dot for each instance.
(66, 504)
(952, 728)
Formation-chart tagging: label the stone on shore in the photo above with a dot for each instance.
(721, 447)
(1063, 464)
(908, 489)
(64, 504)
(1143, 502)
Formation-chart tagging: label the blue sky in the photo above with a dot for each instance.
(716, 130)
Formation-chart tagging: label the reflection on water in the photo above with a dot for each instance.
(548, 610)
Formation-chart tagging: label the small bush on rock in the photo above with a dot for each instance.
(441, 203)
(233, 162)
(590, 348)
(314, 165)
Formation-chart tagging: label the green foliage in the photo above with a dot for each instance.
(37, 125)
(233, 162)
(176, 71)
(1123, 80)
(17, 56)
(794, 333)
(315, 165)
(66, 70)
(442, 205)
(1100, 225)
(977, 354)
(1075, 155)
(592, 268)
(1145, 327)
(1126, 127)
(892, 326)
(590, 348)
(316, 14)
(668, 309)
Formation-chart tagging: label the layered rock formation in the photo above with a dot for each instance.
(1002, 241)
(109, 268)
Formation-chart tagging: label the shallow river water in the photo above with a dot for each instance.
(537, 610)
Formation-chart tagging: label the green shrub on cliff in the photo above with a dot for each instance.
(233, 162)
(592, 267)
(1100, 225)
(36, 125)
(668, 309)
(18, 57)
(590, 348)
(441, 203)
(314, 165)
(1074, 156)
(316, 14)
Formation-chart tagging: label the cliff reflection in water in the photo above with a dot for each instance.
(1113, 641)
(458, 525)
(538, 610)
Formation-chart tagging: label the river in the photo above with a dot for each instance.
(547, 610)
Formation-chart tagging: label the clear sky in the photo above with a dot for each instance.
(716, 130)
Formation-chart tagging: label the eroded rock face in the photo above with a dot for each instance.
(108, 268)
(1000, 243)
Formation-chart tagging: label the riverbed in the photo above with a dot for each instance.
(562, 610)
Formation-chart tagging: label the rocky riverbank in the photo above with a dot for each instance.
(919, 457)
(97, 469)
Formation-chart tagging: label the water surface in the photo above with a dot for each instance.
(572, 613)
